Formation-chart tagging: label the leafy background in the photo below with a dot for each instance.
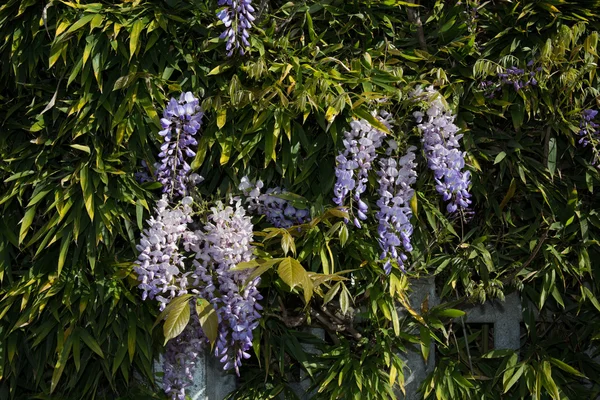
(83, 84)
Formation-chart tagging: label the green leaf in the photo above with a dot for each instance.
(425, 342)
(80, 23)
(548, 382)
(138, 25)
(514, 378)
(18, 175)
(588, 293)
(332, 292)
(566, 367)
(131, 335)
(26, 223)
(451, 312)
(61, 363)
(258, 262)
(517, 112)
(500, 353)
(177, 318)
(38, 197)
(499, 157)
(221, 117)
(86, 187)
(208, 320)
(219, 69)
(343, 234)
(139, 214)
(366, 115)
(90, 342)
(81, 147)
(64, 249)
(552, 150)
(291, 272)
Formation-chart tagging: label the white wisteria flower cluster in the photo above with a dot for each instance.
(161, 268)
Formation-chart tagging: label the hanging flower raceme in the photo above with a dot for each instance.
(237, 18)
(181, 122)
(395, 191)
(220, 246)
(181, 355)
(278, 212)
(442, 150)
(161, 270)
(589, 132)
(355, 162)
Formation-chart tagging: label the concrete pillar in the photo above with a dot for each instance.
(416, 368)
(301, 388)
(210, 381)
(506, 317)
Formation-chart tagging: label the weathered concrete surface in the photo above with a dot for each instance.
(210, 381)
(301, 388)
(416, 368)
(506, 317)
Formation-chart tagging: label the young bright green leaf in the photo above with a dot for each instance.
(291, 272)
(208, 320)
(176, 320)
(26, 223)
(136, 29)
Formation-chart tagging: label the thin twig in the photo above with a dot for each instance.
(464, 326)
(529, 260)
(414, 17)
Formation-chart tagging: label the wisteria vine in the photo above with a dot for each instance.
(181, 121)
(175, 260)
(396, 175)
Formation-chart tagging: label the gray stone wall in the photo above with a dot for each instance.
(211, 383)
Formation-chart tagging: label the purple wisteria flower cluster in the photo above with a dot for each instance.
(180, 358)
(237, 17)
(181, 121)
(396, 175)
(354, 163)
(589, 132)
(145, 175)
(279, 212)
(515, 77)
(174, 260)
(223, 243)
(442, 150)
(471, 13)
(395, 193)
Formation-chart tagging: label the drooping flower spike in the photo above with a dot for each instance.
(237, 16)
(589, 133)
(160, 266)
(442, 150)
(354, 163)
(181, 122)
(223, 243)
(396, 177)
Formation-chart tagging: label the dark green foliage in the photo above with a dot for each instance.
(83, 84)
